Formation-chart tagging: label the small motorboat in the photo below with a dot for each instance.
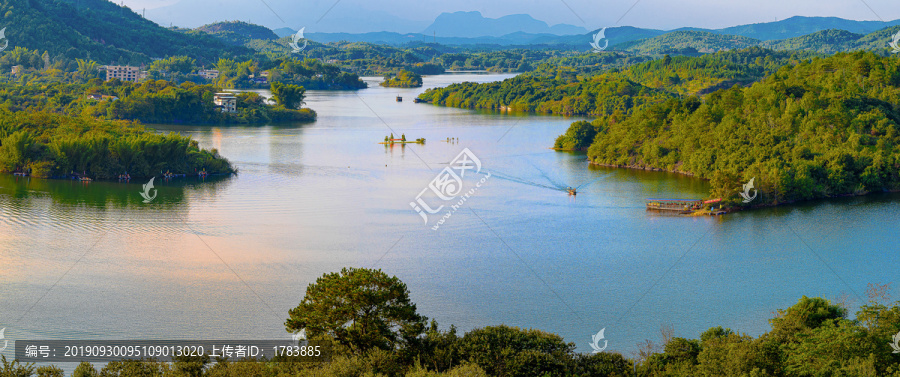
(572, 191)
(399, 99)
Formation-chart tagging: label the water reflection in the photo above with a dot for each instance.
(313, 198)
(102, 195)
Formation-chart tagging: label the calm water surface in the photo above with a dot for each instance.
(228, 257)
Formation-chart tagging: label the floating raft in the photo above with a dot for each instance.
(685, 206)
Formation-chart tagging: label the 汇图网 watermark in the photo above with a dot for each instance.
(146, 193)
(296, 39)
(896, 343)
(5, 342)
(895, 43)
(5, 40)
(596, 43)
(596, 338)
(746, 194)
(448, 186)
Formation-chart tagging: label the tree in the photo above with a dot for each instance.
(87, 69)
(510, 351)
(85, 369)
(577, 138)
(360, 308)
(288, 95)
(15, 150)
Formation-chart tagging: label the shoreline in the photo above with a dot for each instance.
(730, 209)
(69, 178)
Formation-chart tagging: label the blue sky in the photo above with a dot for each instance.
(659, 14)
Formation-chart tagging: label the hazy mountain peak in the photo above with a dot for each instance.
(472, 24)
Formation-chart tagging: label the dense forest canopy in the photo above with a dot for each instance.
(376, 330)
(151, 101)
(404, 79)
(823, 127)
(102, 31)
(585, 91)
(52, 145)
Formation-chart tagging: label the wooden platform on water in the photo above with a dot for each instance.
(693, 207)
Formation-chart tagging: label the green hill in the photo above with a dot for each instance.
(813, 129)
(238, 32)
(877, 41)
(687, 43)
(799, 26)
(825, 42)
(564, 90)
(101, 31)
(833, 41)
(694, 42)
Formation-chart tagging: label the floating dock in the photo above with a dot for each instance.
(685, 206)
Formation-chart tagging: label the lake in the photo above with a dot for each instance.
(227, 258)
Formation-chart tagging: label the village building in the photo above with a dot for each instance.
(209, 74)
(227, 101)
(124, 73)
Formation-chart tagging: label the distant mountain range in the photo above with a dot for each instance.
(108, 33)
(815, 34)
(798, 26)
(474, 25)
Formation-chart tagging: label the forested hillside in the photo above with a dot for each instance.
(238, 32)
(823, 127)
(101, 31)
(687, 43)
(51, 145)
(564, 90)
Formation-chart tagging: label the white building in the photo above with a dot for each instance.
(227, 101)
(124, 73)
(209, 74)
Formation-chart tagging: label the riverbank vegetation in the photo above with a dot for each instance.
(47, 145)
(595, 85)
(371, 59)
(309, 73)
(152, 101)
(805, 128)
(821, 128)
(376, 330)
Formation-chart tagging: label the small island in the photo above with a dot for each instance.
(404, 79)
(388, 140)
(41, 144)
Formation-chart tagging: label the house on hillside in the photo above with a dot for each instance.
(227, 101)
(124, 73)
(209, 74)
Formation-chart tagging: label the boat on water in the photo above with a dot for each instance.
(399, 99)
(572, 191)
(390, 140)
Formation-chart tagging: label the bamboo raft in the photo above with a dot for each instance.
(693, 207)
